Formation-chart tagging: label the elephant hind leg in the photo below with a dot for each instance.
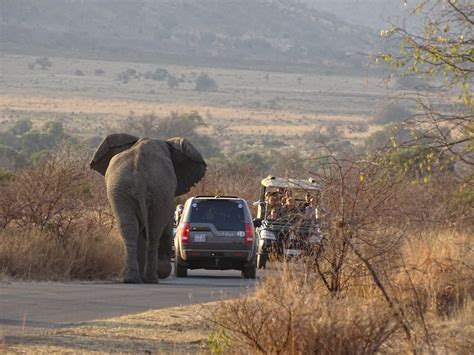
(158, 264)
(151, 264)
(132, 274)
(128, 226)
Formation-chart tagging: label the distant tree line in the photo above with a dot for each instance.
(22, 143)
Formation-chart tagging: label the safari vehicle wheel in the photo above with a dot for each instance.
(179, 269)
(249, 271)
(261, 261)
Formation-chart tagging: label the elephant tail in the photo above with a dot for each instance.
(144, 215)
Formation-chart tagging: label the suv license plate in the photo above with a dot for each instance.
(292, 252)
(200, 238)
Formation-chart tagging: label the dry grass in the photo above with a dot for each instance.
(440, 268)
(288, 315)
(86, 117)
(119, 108)
(37, 255)
(175, 330)
(293, 313)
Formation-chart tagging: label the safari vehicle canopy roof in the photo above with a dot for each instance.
(292, 184)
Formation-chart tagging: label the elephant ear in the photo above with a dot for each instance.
(110, 146)
(188, 163)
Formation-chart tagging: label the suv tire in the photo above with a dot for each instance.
(180, 270)
(249, 271)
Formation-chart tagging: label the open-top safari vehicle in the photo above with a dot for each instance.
(287, 218)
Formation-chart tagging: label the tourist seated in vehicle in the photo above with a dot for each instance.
(272, 201)
(177, 214)
(274, 214)
(309, 208)
(289, 207)
(312, 211)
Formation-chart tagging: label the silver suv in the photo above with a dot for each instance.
(215, 233)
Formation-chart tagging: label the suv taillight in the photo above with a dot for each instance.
(248, 233)
(183, 232)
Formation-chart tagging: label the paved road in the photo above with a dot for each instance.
(53, 304)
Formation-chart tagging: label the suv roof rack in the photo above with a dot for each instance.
(215, 196)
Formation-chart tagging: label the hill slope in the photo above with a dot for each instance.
(251, 31)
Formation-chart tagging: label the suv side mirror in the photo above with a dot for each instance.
(257, 222)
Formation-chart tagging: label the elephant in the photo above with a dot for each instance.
(142, 178)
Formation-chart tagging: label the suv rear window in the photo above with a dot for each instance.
(223, 214)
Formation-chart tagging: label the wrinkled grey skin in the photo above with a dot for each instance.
(141, 177)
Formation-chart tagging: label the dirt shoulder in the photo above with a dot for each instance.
(171, 330)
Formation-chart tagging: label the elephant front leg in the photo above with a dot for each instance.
(164, 253)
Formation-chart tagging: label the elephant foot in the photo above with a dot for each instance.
(151, 280)
(130, 279)
(164, 269)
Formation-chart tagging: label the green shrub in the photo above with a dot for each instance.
(21, 143)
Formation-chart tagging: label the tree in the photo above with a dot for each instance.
(43, 62)
(442, 49)
(175, 125)
(205, 83)
(173, 82)
(55, 129)
(392, 112)
(21, 127)
(10, 159)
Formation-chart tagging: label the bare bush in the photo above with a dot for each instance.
(52, 195)
(288, 314)
(359, 220)
(56, 222)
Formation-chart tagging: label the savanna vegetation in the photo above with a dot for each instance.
(395, 271)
